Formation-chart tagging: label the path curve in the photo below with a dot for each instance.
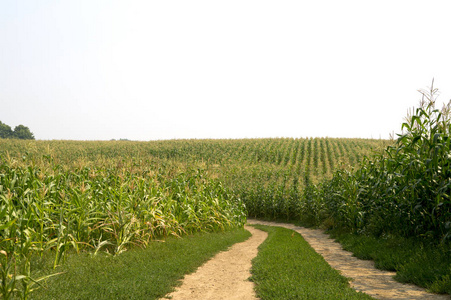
(225, 276)
(365, 277)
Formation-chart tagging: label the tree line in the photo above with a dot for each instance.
(20, 132)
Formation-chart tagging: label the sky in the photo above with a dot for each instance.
(153, 70)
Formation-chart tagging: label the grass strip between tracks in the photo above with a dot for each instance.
(148, 273)
(288, 268)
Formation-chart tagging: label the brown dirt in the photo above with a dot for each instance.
(226, 275)
(364, 276)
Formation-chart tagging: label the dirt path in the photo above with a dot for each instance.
(226, 275)
(365, 277)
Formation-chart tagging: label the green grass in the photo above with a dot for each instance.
(147, 273)
(288, 268)
(425, 264)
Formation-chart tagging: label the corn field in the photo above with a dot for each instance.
(62, 196)
(105, 196)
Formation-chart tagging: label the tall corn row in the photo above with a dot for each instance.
(404, 191)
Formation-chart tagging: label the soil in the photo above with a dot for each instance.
(364, 276)
(226, 275)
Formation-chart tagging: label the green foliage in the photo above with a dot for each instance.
(277, 191)
(23, 133)
(5, 131)
(88, 207)
(20, 132)
(286, 267)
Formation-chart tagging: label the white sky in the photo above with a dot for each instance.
(145, 70)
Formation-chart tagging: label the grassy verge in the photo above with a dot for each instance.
(288, 268)
(424, 264)
(135, 274)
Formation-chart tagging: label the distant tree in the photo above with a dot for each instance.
(23, 133)
(5, 131)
